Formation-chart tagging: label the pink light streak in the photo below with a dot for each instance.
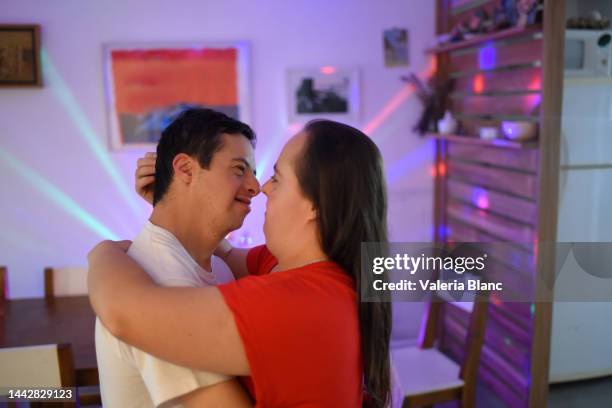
(388, 109)
(328, 70)
(396, 101)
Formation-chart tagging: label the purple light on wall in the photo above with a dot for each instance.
(413, 160)
(480, 198)
(487, 57)
(443, 231)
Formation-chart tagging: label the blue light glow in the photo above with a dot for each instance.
(87, 132)
(57, 196)
(487, 57)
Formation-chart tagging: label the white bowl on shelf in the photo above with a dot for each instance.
(488, 133)
(519, 130)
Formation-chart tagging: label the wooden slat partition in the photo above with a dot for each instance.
(515, 286)
(520, 51)
(512, 207)
(492, 378)
(548, 172)
(512, 350)
(516, 380)
(524, 105)
(496, 178)
(516, 255)
(3, 284)
(504, 229)
(523, 159)
(525, 79)
(471, 124)
(491, 193)
(502, 192)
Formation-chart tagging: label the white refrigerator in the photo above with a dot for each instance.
(581, 341)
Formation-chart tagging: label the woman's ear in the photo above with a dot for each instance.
(313, 213)
(183, 166)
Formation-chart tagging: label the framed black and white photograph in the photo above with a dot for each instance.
(326, 92)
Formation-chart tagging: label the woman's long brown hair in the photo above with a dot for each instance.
(341, 172)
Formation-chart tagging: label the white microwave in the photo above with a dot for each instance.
(588, 53)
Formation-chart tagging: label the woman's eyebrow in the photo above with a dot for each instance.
(276, 170)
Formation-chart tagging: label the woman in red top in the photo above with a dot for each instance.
(292, 322)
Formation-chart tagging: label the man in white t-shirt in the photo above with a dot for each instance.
(204, 182)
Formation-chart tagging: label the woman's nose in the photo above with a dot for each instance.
(265, 188)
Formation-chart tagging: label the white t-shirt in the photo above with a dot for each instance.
(130, 377)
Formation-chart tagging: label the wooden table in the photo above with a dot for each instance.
(26, 322)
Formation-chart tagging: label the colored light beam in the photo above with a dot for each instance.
(57, 196)
(396, 101)
(86, 131)
(388, 109)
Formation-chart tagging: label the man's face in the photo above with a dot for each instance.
(222, 193)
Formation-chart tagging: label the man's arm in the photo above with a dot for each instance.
(235, 258)
(137, 311)
(224, 394)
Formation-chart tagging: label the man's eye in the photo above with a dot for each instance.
(241, 169)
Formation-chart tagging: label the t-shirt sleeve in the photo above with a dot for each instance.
(260, 260)
(166, 381)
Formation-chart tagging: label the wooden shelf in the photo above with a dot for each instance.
(530, 144)
(482, 38)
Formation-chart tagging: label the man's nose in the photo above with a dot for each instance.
(253, 185)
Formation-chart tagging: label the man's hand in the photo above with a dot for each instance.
(223, 250)
(145, 176)
(105, 246)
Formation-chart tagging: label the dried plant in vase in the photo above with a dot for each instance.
(435, 99)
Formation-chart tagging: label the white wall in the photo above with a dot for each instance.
(63, 190)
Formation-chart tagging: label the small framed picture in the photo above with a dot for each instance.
(148, 85)
(323, 93)
(396, 47)
(20, 55)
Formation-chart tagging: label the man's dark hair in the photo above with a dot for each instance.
(197, 133)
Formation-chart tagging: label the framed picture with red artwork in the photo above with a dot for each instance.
(148, 85)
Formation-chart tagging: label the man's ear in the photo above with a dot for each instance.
(183, 166)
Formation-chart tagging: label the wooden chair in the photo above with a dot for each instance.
(72, 281)
(427, 376)
(3, 284)
(37, 367)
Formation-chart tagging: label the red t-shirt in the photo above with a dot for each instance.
(300, 330)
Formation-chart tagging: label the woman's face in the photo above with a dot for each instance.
(290, 217)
